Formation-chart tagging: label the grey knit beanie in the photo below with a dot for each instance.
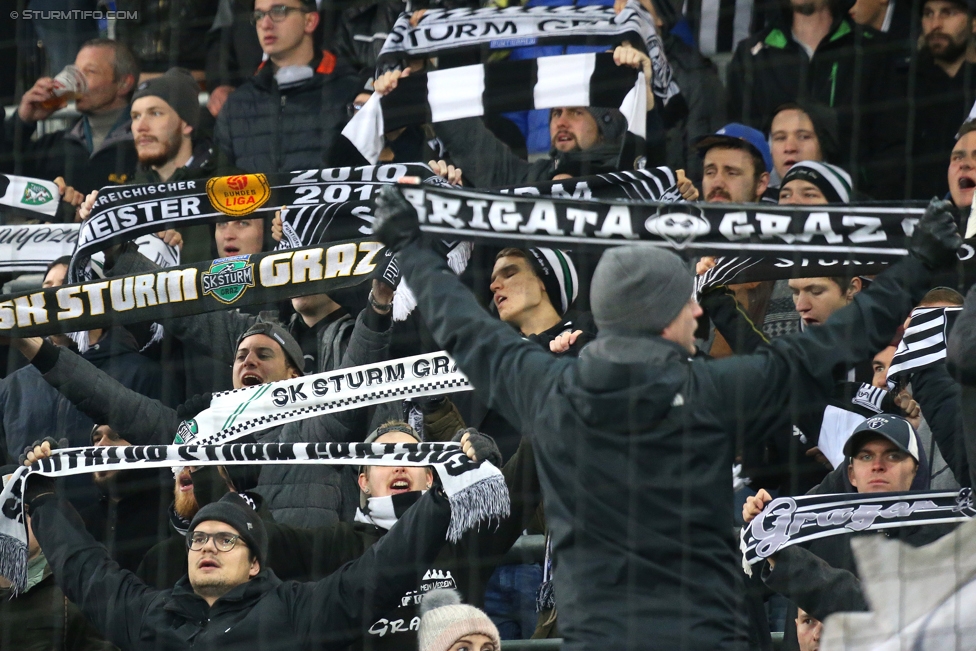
(639, 290)
(444, 620)
(178, 89)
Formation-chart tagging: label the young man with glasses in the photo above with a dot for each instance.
(287, 116)
(229, 599)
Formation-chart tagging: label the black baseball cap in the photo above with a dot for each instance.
(894, 428)
(288, 344)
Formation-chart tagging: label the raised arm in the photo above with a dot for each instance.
(511, 374)
(331, 611)
(487, 161)
(113, 599)
(812, 584)
(753, 390)
(137, 418)
(961, 358)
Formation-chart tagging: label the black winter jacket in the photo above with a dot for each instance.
(634, 444)
(42, 619)
(265, 612)
(851, 63)
(821, 577)
(65, 153)
(262, 128)
(303, 496)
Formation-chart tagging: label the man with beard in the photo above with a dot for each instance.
(736, 166)
(945, 89)
(489, 163)
(812, 53)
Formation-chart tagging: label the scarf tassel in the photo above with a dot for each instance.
(482, 500)
(13, 562)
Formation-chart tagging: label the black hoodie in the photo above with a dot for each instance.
(634, 455)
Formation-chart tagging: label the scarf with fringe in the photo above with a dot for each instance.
(476, 490)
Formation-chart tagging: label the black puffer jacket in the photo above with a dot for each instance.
(167, 33)
(262, 128)
(263, 613)
(633, 447)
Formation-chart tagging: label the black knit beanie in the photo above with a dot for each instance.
(234, 510)
(178, 89)
(558, 274)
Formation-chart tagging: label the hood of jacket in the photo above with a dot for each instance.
(637, 376)
(114, 342)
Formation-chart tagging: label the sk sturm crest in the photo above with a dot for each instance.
(228, 278)
(36, 195)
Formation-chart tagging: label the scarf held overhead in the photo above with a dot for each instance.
(477, 90)
(251, 409)
(790, 521)
(126, 212)
(189, 289)
(440, 32)
(476, 490)
(923, 344)
(794, 239)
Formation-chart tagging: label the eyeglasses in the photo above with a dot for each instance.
(278, 13)
(223, 541)
(354, 107)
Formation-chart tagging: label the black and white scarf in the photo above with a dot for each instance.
(793, 240)
(384, 512)
(790, 521)
(26, 193)
(441, 32)
(123, 213)
(32, 247)
(473, 91)
(188, 289)
(924, 342)
(235, 413)
(476, 490)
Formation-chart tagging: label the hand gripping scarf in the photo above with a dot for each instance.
(790, 521)
(476, 491)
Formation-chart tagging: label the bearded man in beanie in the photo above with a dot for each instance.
(229, 599)
(489, 163)
(634, 439)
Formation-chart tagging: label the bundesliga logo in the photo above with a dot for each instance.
(228, 278)
(238, 195)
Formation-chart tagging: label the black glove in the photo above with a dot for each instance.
(936, 238)
(724, 272)
(395, 220)
(63, 443)
(484, 446)
(194, 406)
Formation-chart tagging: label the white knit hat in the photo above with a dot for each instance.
(444, 620)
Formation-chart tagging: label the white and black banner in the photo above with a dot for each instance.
(26, 193)
(233, 414)
(442, 31)
(790, 521)
(476, 490)
(26, 248)
(474, 91)
(123, 213)
(793, 240)
(924, 342)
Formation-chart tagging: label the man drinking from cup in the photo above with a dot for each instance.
(97, 150)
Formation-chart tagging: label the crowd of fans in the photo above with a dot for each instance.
(823, 103)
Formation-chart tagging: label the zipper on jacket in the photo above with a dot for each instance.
(833, 83)
(276, 144)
